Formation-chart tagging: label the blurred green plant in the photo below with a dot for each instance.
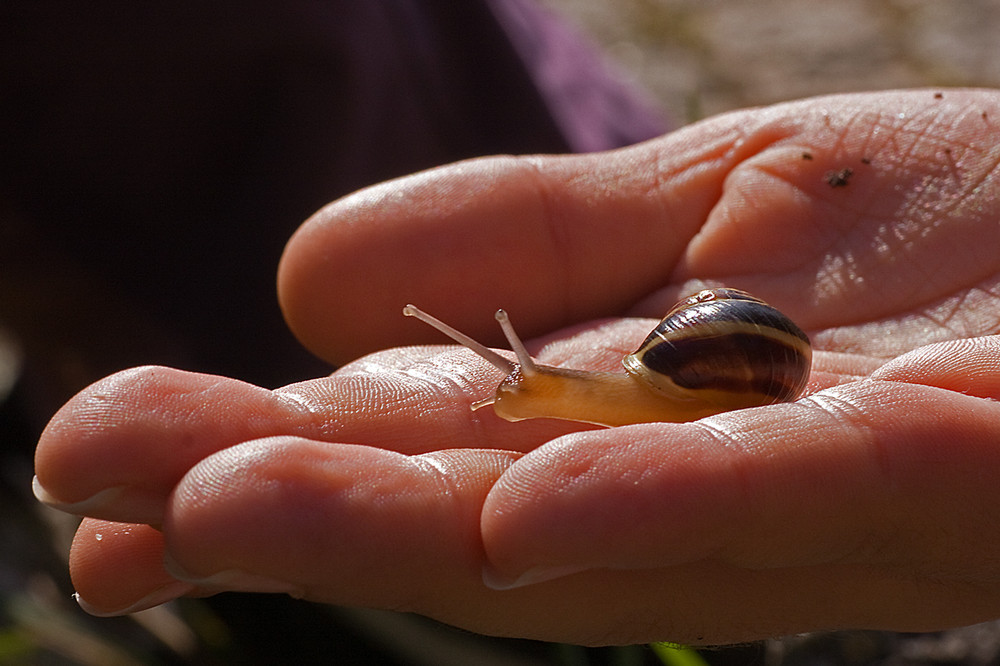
(674, 654)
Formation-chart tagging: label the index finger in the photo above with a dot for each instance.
(118, 448)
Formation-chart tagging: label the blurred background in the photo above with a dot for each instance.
(702, 57)
(155, 158)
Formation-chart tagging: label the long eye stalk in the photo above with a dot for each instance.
(523, 357)
(461, 338)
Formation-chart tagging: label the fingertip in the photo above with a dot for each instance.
(615, 498)
(117, 568)
(166, 593)
(561, 231)
(373, 251)
(118, 448)
(544, 517)
(500, 581)
(94, 505)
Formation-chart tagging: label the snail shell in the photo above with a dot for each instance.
(725, 347)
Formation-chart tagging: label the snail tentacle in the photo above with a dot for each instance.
(498, 361)
(524, 359)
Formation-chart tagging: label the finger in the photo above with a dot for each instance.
(117, 568)
(970, 366)
(327, 517)
(875, 473)
(117, 450)
(126, 440)
(552, 239)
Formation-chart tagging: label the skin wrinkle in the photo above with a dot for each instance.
(557, 239)
(839, 246)
(829, 402)
(872, 138)
(923, 125)
(876, 443)
(745, 465)
(928, 134)
(433, 385)
(655, 192)
(840, 133)
(322, 425)
(946, 322)
(989, 174)
(843, 256)
(896, 235)
(944, 156)
(832, 403)
(748, 241)
(472, 545)
(847, 552)
(949, 319)
(896, 155)
(852, 117)
(727, 144)
(899, 130)
(712, 426)
(481, 380)
(941, 323)
(646, 191)
(355, 492)
(992, 293)
(443, 379)
(444, 478)
(316, 424)
(732, 152)
(759, 140)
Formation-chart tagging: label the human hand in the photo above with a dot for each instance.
(868, 503)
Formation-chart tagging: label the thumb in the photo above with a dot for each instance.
(552, 239)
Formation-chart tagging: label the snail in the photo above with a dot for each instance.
(715, 351)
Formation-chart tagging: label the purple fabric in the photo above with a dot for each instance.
(591, 102)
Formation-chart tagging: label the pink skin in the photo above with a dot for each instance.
(871, 502)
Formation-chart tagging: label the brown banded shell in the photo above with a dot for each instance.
(726, 347)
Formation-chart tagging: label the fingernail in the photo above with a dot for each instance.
(232, 580)
(162, 595)
(83, 507)
(495, 580)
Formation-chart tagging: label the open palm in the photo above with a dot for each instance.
(872, 220)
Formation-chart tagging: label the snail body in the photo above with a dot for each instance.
(715, 351)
